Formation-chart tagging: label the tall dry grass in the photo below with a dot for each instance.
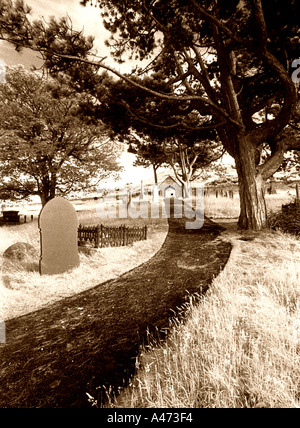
(239, 346)
(230, 207)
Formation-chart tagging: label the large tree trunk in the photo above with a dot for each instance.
(253, 212)
(43, 199)
(47, 189)
(46, 197)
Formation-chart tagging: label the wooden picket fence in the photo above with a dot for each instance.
(102, 236)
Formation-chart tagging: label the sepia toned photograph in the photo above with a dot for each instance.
(150, 206)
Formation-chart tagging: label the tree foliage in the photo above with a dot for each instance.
(46, 146)
(158, 131)
(147, 154)
(224, 62)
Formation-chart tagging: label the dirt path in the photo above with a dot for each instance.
(54, 356)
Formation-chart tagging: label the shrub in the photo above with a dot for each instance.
(287, 219)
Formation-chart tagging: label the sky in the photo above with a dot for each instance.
(89, 21)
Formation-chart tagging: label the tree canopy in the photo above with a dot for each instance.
(224, 61)
(46, 146)
(157, 130)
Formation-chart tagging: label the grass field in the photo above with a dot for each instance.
(23, 290)
(229, 208)
(238, 346)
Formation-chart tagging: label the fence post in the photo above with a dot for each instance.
(79, 235)
(97, 237)
(120, 236)
(123, 234)
(101, 236)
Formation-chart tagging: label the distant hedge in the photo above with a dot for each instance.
(287, 219)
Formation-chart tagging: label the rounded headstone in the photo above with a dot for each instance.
(20, 255)
(58, 225)
(20, 251)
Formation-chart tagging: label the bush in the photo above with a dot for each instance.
(286, 220)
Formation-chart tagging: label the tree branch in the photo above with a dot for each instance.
(211, 18)
(175, 125)
(157, 94)
(272, 164)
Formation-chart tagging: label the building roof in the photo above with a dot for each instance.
(168, 178)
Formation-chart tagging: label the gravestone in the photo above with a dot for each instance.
(20, 251)
(58, 224)
(20, 254)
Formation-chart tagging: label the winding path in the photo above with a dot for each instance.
(54, 356)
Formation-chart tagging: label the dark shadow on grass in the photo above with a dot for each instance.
(83, 344)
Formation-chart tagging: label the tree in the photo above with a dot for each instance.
(224, 60)
(144, 123)
(189, 159)
(147, 154)
(46, 147)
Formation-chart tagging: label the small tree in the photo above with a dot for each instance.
(46, 147)
(189, 158)
(148, 154)
(144, 123)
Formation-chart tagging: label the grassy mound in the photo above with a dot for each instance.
(287, 219)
